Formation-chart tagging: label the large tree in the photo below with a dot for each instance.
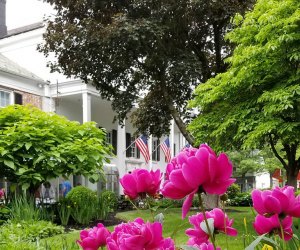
(130, 49)
(36, 146)
(257, 100)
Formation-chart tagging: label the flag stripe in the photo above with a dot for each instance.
(165, 146)
(141, 143)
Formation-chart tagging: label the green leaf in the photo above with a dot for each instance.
(255, 242)
(28, 145)
(25, 186)
(9, 164)
(81, 158)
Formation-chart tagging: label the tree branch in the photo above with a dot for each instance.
(276, 153)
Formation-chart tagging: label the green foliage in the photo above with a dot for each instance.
(83, 201)
(257, 101)
(241, 200)
(81, 196)
(233, 191)
(167, 203)
(102, 208)
(4, 214)
(64, 209)
(23, 208)
(28, 231)
(159, 48)
(111, 199)
(84, 213)
(36, 146)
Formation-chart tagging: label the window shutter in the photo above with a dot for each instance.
(18, 99)
(114, 141)
(128, 142)
(174, 151)
(138, 153)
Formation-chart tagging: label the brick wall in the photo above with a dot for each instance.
(34, 100)
(27, 98)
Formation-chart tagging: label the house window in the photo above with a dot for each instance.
(131, 148)
(111, 138)
(156, 150)
(4, 98)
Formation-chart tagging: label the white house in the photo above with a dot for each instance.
(24, 72)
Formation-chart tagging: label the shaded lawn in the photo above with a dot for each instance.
(175, 227)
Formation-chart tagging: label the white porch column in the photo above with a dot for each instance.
(48, 103)
(172, 138)
(86, 107)
(86, 117)
(150, 143)
(121, 153)
(181, 144)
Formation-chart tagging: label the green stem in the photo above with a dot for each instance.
(206, 222)
(149, 207)
(133, 205)
(226, 236)
(282, 236)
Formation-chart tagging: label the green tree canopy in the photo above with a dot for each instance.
(36, 146)
(135, 48)
(257, 100)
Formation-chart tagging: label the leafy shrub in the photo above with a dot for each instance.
(64, 209)
(28, 231)
(83, 201)
(103, 207)
(110, 199)
(233, 191)
(297, 192)
(241, 200)
(24, 209)
(166, 203)
(4, 214)
(84, 213)
(81, 196)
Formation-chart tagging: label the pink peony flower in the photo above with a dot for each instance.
(141, 182)
(281, 201)
(93, 238)
(139, 235)
(263, 225)
(220, 220)
(197, 170)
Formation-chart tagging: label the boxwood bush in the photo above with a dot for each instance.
(81, 196)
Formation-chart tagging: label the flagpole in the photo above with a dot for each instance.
(156, 147)
(131, 144)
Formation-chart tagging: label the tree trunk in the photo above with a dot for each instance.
(291, 175)
(217, 40)
(181, 125)
(292, 166)
(177, 118)
(271, 179)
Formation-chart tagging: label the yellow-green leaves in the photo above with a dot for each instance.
(36, 146)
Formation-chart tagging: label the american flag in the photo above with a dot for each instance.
(142, 144)
(165, 146)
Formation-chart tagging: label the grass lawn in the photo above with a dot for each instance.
(175, 226)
